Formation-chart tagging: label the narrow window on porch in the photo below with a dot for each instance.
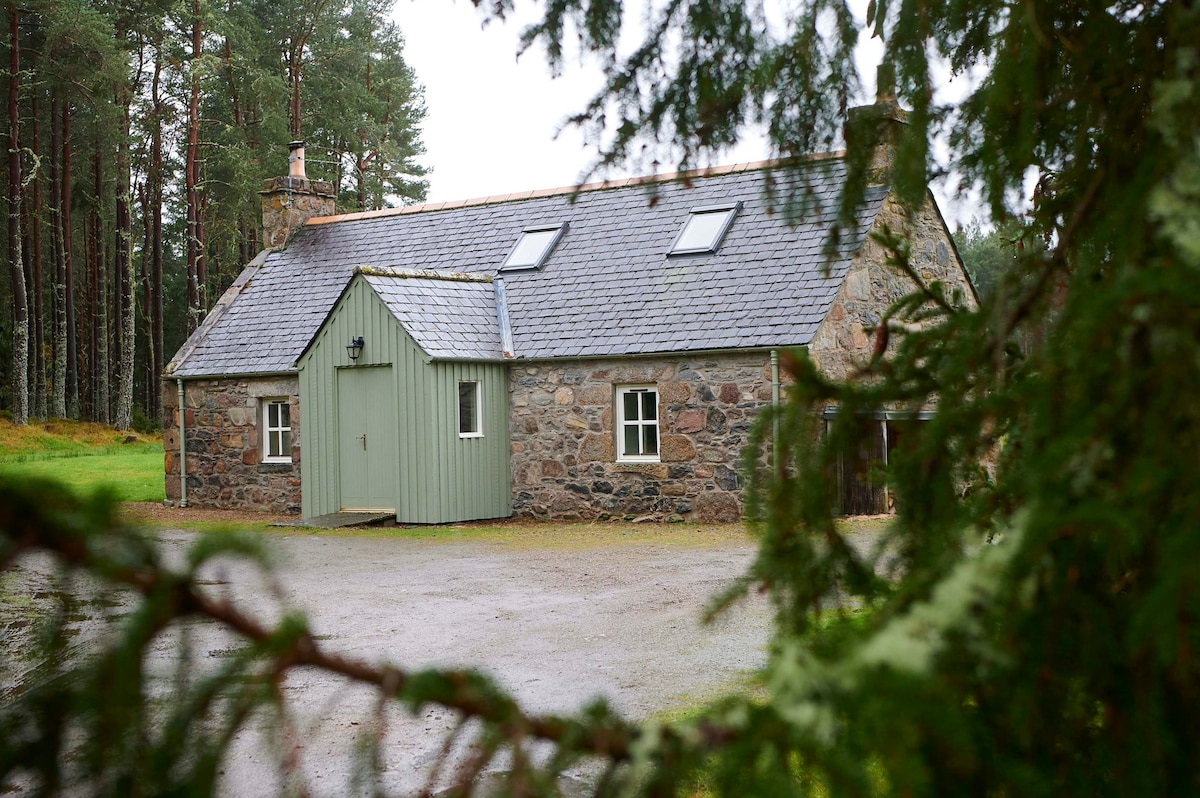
(637, 423)
(469, 424)
(277, 432)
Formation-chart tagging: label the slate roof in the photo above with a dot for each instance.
(608, 288)
(449, 317)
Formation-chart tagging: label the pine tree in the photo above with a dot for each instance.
(16, 177)
(177, 106)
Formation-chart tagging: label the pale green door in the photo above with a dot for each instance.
(367, 439)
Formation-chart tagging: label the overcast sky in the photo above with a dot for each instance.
(492, 120)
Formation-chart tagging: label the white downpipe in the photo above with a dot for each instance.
(182, 451)
(775, 400)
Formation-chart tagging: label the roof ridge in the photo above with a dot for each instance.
(422, 274)
(627, 182)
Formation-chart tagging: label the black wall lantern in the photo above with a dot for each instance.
(354, 348)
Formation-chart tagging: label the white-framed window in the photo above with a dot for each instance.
(637, 423)
(470, 424)
(705, 229)
(277, 431)
(533, 247)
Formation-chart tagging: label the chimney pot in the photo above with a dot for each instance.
(296, 159)
(876, 127)
(288, 202)
(885, 83)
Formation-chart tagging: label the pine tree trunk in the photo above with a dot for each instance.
(294, 69)
(58, 307)
(99, 302)
(37, 365)
(28, 225)
(123, 265)
(195, 310)
(143, 194)
(247, 237)
(157, 362)
(72, 331)
(20, 343)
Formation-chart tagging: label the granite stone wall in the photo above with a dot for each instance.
(564, 462)
(845, 340)
(222, 425)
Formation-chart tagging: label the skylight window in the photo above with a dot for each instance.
(705, 229)
(533, 248)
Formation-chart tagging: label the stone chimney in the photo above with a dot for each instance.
(288, 202)
(878, 125)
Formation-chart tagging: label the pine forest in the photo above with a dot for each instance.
(137, 136)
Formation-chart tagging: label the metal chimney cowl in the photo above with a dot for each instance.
(290, 201)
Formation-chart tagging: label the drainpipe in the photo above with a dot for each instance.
(775, 399)
(182, 451)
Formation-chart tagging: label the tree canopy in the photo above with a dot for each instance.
(139, 135)
(1038, 632)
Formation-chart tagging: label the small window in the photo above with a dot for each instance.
(705, 229)
(277, 432)
(469, 425)
(533, 248)
(637, 426)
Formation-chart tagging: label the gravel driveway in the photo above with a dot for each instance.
(557, 626)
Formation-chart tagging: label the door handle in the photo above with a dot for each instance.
(363, 438)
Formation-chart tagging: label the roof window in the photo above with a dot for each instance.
(533, 247)
(705, 229)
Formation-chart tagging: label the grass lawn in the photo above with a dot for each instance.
(85, 457)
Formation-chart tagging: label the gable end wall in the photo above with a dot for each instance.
(222, 427)
(845, 339)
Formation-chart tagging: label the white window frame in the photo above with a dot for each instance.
(723, 213)
(280, 429)
(555, 234)
(478, 426)
(622, 422)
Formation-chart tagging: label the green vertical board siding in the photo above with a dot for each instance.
(437, 477)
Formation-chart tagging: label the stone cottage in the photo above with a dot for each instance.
(588, 352)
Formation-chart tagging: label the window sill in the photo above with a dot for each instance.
(656, 470)
(275, 467)
(470, 435)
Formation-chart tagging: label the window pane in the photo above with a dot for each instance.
(466, 408)
(285, 445)
(272, 414)
(631, 439)
(649, 406)
(650, 439)
(631, 407)
(284, 414)
(272, 444)
(531, 248)
(703, 231)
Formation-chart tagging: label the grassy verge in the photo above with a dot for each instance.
(85, 457)
(534, 533)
